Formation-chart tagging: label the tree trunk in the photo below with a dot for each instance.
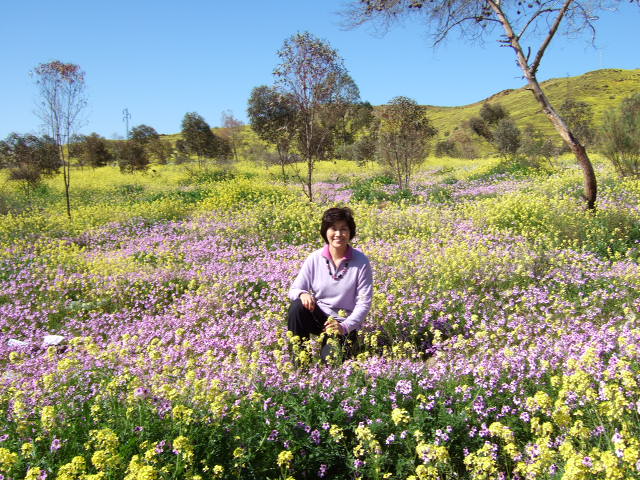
(590, 184)
(66, 177)
(282, 157)
(310, 178)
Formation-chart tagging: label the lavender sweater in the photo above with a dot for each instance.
(349, 289)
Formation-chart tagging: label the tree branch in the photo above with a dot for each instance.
(533, 17)
(547, 40)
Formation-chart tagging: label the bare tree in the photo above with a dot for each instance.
(322, 91)
(524, 24)
(231, 131)
(62, 99)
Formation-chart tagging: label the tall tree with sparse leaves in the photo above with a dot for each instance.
(313, 74)
(528, 29)
(62, 99)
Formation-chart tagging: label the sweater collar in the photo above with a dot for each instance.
(347, 256)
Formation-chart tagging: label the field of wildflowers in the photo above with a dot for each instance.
(503, 342)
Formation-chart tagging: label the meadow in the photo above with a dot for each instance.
(503, 341)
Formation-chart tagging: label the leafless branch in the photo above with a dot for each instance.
(552, 32)
(533, 19)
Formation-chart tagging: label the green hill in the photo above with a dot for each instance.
(603, 89)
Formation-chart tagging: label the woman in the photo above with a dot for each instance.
(333, 278)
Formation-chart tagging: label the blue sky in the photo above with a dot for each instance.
(162, 59)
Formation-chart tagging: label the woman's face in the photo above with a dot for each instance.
(339, 234)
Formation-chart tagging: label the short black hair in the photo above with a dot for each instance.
(334, 215)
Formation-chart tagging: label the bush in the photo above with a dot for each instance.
(370, 189)
(445, 148)
(506, 135)
(198, 176)
(132, 157)
(620, 137)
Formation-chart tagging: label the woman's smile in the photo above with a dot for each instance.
(338, 234)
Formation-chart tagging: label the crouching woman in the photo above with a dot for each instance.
(332, 279)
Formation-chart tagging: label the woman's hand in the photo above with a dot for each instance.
(334, 326)
(308, 301)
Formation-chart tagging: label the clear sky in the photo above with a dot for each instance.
(162, 59)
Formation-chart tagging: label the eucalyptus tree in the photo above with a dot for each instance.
(62, 99)
(92, 150)
(403, 136)
(312, 73)
(29, 157)
(199, 139)
(272, 115)
(528, 28)
(143, 134)
(620, 137)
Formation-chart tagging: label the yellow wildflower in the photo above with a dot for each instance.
(336, 433)
(48, 417)
(400, 416)
(7, 459)
(27, 449)
(285, 458)
(34, 473)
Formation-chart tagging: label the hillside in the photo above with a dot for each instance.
(602, 89)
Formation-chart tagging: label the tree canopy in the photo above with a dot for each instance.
(403, 136)
(199, 139)
(143, 134)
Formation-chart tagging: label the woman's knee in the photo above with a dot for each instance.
(296, 307)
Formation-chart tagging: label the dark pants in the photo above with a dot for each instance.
(303, 323)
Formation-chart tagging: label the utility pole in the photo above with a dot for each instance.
(125, 118)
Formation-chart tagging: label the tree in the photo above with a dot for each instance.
(620, 137)
(446, 148)
(506, 137)
(579, 117)
(273, 116)
(62, 99)
(523, 23)
(403, 137)
(150, 140)
(199, 140)
(132, 156)
(490, 116)
(466, 147)
(536, 146)
(313, 74)
(143, 134)
(28, 157)
(91, 150)
(231, 131)
(357, 121)
(160, 150)
(495, 126)
(364, 148)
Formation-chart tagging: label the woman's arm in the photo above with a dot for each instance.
(364, 294)
(302, 283)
